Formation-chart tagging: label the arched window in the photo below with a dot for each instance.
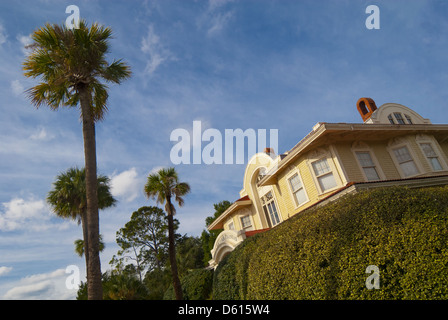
(397, 118)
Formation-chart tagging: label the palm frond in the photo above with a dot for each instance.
(164, 185)
(66, 60)
(68, 196)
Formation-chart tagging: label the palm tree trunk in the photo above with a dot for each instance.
(85, 236)
(172, 253)
(94, 286)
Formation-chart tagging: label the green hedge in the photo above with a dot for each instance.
(230, 277)
(323, 253)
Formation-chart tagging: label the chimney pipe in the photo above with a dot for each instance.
(269, 151)
(366, 106)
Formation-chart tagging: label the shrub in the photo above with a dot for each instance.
(323, 253)
(230, 277)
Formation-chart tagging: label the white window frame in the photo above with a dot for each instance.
(408, 119)
(291, 191)
(400, 118)
(318, 155)
(363, 147)
(391, 119)
(250, 227)
(403, 117)
(230, 225)
(422, 139)
(398, 143)
(277, 208)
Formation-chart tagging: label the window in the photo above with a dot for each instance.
(246, 223)
(431, 155)
(270, 209)
(297, 189)
(324, 174)
(405, 161)
(231, 226)
(399, 118)
(391, 120)
(408, 118)
(367, 164)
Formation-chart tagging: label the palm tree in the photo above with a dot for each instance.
(71, 64)
(68, 200)
(80, 247)
(163, 186)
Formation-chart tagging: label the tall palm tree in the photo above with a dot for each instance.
(163, 186)
(68, 200)
(71, 64)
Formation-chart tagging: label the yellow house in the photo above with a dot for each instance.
(393, 146)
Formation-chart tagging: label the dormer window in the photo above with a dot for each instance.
(391, 119)
(397, 118)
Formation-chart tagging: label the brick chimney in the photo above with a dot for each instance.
(269, 151)
(366, 106)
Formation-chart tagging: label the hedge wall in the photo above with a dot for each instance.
(323, 253)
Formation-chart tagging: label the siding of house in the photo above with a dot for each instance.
(385, 161)
(346, 168)
(236, 219)
(420, 156)
(444, 147)
(349, 162)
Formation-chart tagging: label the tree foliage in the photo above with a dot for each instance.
(144, 240)
(72, 68)
(163, 186)
(208, 237)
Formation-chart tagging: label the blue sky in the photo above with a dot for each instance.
(230, 64)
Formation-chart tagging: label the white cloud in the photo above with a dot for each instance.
(218, 22)
(25, 41)
(214, 4)
(31, 214)
(49, 286)
(40, 134)
(17, 211)
(5, 270)
(216, 17)
(17, 87)
(155, 169)
(157, 53)
(126, 185)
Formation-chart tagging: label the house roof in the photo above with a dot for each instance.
(238, 204)
(326, 133)
(413, 182)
